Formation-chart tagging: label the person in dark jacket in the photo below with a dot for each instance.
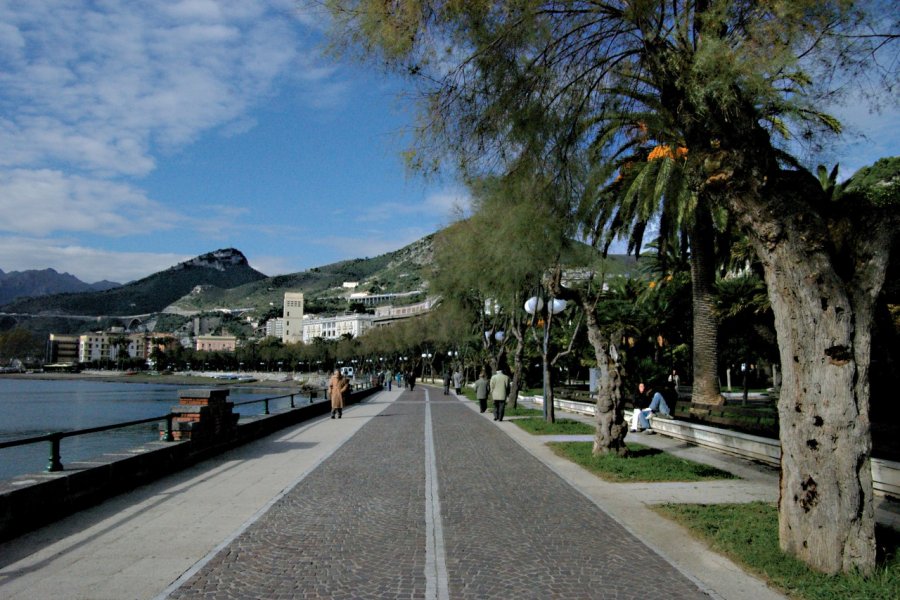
(447, 382)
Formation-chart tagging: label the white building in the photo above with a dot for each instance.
(275, 327)
(330, 328)
(385, 315)
(102, 346)
(375, 299)
(292, 316)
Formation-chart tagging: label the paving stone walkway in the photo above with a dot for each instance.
(431, 500)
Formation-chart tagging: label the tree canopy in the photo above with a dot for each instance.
(559, 88)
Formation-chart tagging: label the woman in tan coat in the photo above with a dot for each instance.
(337, 387)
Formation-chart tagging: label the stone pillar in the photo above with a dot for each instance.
(203, 415)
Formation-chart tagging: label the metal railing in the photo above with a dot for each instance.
(265, 401)
(54, 462)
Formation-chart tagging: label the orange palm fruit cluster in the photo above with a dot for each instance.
(663, 151)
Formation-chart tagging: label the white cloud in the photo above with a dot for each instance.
(455, 203)
(447, 205)
(98, 86)
(43, 202)
(85, 263)
(91, 93)
(870, 134)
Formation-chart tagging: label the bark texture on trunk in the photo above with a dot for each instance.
(518, 330)
(609, 437)
(823, 309)
(705, 387)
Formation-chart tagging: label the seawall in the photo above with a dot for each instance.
(30, 501)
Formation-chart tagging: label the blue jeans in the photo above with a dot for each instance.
(657, 404)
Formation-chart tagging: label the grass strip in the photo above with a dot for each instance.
(748, 534)
(518, 411)
(642, 464)
(538, 426)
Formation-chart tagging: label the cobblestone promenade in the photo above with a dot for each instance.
(429, 499)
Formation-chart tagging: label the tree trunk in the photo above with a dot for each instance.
(705, 387)
(518, 330)
(823, 308)
(548, 390)
(609, 437)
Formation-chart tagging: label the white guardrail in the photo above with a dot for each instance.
(885, 473)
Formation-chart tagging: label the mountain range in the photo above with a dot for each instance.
(223, 268)
(43, 282)
(224, 280)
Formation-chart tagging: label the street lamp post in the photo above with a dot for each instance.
(426, 356)
(535, 305)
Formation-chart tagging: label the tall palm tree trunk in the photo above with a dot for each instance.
(706, 328)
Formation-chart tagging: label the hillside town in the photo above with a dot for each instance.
(207, 337)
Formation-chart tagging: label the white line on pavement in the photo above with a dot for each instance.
(436, 586)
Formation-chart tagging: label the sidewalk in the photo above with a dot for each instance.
(402, 498)
(758, 482)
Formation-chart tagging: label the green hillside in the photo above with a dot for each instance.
(224, 280)
(223, 269)
(403, 270)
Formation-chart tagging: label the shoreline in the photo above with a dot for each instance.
(142, 378)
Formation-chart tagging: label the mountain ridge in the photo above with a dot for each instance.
(43, 282)
(222, 280)
(226, 267)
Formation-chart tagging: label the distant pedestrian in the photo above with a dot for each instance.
(482, 388)
(499, 391)
(389, 378)
(410, 380)
(447, 378)
(457, 381)
(337, 387)
(674, 379)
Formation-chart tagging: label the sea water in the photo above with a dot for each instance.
(33, 407)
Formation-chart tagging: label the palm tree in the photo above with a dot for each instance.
(651, 187)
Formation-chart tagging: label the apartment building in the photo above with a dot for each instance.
(275, 327)
(330, 328)
(103, 346)
(215, 343)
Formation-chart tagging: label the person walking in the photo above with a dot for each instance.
(482, 387)
(446, 382)
(389, 378)
(499, 391)
(337, 387)
(410, 380)
(457, 381)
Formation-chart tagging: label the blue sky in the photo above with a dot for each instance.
(134, 135)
